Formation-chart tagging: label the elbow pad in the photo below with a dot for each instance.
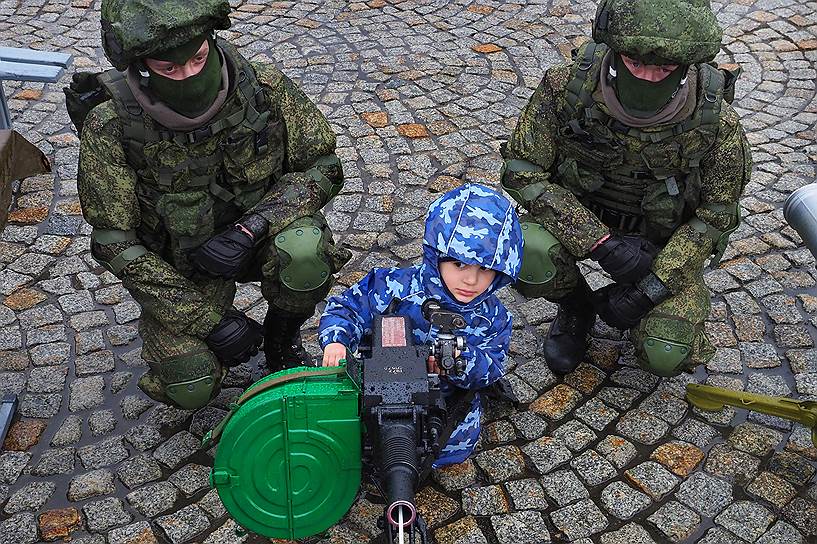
(515, 177)
(115, 249)
(327, 172)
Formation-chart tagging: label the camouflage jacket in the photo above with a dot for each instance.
(563, 171)
(174, 191)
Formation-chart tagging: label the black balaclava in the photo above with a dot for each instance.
(191, 96)
(642, 98)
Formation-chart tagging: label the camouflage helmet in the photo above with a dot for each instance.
(659, 31)
(133, 29)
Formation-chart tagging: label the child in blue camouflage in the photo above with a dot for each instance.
(472, 247)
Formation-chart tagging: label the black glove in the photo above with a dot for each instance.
(235, 339)
(624, 306)
(626, 258)
(224, 255)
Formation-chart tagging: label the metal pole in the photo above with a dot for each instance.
(5, 116)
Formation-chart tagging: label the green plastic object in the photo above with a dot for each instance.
(305, 271)
(665, 358)
(537, 266)
(712, 399)
(289, 454)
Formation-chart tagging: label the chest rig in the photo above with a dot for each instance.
(636, 180)
(192, 183)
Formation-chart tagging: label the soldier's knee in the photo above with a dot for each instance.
(663, 357)
(302, 262)
(187, 380)
(547, 270)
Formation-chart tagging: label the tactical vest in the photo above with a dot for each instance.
(191, 184)
(637, 180)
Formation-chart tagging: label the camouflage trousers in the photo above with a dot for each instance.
(679, 320)
(174, 358)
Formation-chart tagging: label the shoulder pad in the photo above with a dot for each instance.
(557, 77)
(268, 74)
(101, 117)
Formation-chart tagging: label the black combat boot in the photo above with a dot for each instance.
(566, 342)
(282, 340)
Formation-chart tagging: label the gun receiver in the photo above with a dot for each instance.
(712, 399)
(404, 411)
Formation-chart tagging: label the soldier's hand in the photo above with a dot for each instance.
(235, 339)
(224, 255)
(622, 306)
(626, 258)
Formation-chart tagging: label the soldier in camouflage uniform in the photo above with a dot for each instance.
(631, 156)
(200, 170)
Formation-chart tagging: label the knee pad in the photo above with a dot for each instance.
(303, 269)
(189, 380)
(538, 268)
(663, 357)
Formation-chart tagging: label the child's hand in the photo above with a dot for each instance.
(333, 353)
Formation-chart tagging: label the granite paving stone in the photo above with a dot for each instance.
(520, 528)
(802, 513)
(136, 533)
(55, 461)
(575, 435)
(792, 467)
(20, 528)
(675, 521)
(138, 470)
(456, 477)
(596, 414)
(727, 462)
(211, 503)
(631, 533)
(781, 532)
(101, 422)
(617, 450)
(176, 449)
(641, 427)
(622, 501)
(593, 468)
(91, 484)
(105, 514)
(69, 432)
(705, 494)
(153, 499)
(579, 520)
(103, 453)
(546, 454)
(564, 487)
(485, 501)
(652, 478)
(191, 478)
(746, 519)
(526, 494)
(31, 497)
(183, 524)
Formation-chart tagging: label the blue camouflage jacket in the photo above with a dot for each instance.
(474, 225)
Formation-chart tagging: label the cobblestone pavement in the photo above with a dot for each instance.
(420, 93)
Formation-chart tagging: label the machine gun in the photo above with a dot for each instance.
(292, 446)
(406, 418)
(712, 399)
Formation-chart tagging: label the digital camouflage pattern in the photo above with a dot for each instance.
(133, 29)
(659, 31)
(474, 225)
(562, 173)
(172, 214)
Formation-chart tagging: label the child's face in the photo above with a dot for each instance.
(466, 281)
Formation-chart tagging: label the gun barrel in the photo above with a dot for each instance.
(711, 398)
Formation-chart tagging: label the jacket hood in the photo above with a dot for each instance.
(474, 225)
